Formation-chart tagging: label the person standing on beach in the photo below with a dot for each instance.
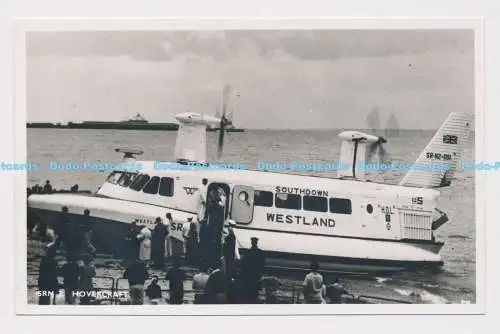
(230, 250)
(71, 276)
(168, 244)
(314, 289)
(185, 233)
(87, 273)
(131, 244)
(158, 240)
(252, 268)
(175, 277)
(87, 233)
(200, 283)
(202, 201)
(202, 218)
(32, 221)
(222, 200)
(215, 226)
(61, 228)
(136, 274)
(48, 285)
(75, 240)
(144, 237)
(217, 284)
(236, 288)
(192, 243)
(50, 237)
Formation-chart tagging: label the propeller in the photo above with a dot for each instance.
(377, 148)
(223, 120)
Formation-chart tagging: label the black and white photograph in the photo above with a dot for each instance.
(190, 167)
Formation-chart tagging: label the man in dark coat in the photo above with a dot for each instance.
(236, 288)
(217, 285)
(229, 251)
(61, 228)
(215, 226)
(75, 240)
(87, 273)
(86, 228)
(71, 274)
(252, 267)
(48, 285)
(204, 245)
(158, 238)
(175, 277)
(136, 274)
(131, 244)
(192, 244)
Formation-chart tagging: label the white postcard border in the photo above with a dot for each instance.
(21, 26)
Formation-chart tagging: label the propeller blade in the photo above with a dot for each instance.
(382, 154)
(226, 91)
(371, 151)
(222, 130)
(391, 130)
(378, 147)
(225, 99)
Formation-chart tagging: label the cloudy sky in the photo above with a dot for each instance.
(280, 79)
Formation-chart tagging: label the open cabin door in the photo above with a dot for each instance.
(215, 186)
(242, 204)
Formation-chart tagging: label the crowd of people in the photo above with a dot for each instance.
(48, 189)
(75, 239)
(203, 239)
(209, 244)
(220, 281)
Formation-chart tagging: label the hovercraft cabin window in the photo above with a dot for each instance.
(288, 201)
(152, 186)
(139, 182)
(263, 198)
(340, 205)
(315, 203)
(167, 186)
(114, 177)
(126, 179)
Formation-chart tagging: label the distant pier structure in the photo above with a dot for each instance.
(136, 123)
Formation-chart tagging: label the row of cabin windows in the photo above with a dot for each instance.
(150, 185)
(308, 203)
(165, 187)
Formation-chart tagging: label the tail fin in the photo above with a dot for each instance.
(446, 147)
